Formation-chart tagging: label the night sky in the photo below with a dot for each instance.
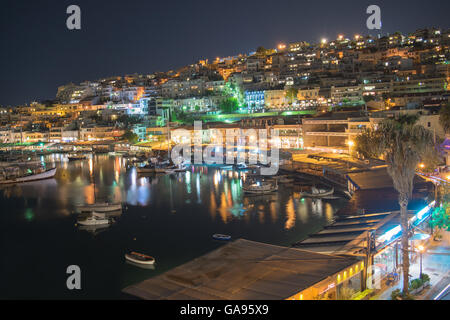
(38, 52)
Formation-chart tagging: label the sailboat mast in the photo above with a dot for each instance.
(168, 133)
(93, 175)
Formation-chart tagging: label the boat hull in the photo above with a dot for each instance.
(318, 195)
(137, 261)
(260, 192)
(221, 237)
(100, 207)
(102, 222)
(40, 176)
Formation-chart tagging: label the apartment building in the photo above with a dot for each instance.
(347, 95)
(98, 133)
(334, 135)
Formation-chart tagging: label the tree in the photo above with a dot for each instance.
(403, 144)
(441, 217)
(444, 118)
(229, 105)
(261, 51)
(127, 120)
(130, 136)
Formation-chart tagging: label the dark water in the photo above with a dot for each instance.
(169, 217)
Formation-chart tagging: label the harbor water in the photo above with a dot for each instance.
(170, 217)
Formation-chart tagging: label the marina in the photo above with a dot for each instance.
(155, 212)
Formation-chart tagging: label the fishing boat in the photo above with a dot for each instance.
(11, 175)
(260, 187)
(316, 193)
(94, 220)
(221, 237)
(139, 258)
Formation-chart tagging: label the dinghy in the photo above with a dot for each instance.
(139, 258)
(221, 237)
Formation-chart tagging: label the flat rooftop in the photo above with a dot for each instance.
(339, 162)
(243, 270)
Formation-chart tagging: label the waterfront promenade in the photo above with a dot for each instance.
(435, 263)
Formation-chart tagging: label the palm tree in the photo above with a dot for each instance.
(402, 144)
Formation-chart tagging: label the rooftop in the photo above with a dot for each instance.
(243, 270)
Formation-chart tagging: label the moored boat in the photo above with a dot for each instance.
(146, 169)
(221, 237)
(139, 258)
(94, 220)
(75, 157)
(100, 207)
(260, 187)
(316, 193)
(17, 177)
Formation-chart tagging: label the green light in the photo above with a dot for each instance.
(29, 214)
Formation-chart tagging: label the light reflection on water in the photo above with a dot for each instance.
(171, 217)
(106, 178)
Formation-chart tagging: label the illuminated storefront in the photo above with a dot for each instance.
(341, 285)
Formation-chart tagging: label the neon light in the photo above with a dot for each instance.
(388, 235)
(421, 213)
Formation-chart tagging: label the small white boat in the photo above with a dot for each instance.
(316, 193)
(100, 207)
(31, 177)
(94, 220)
(139, 258)
(260, 187)
(221, 237)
